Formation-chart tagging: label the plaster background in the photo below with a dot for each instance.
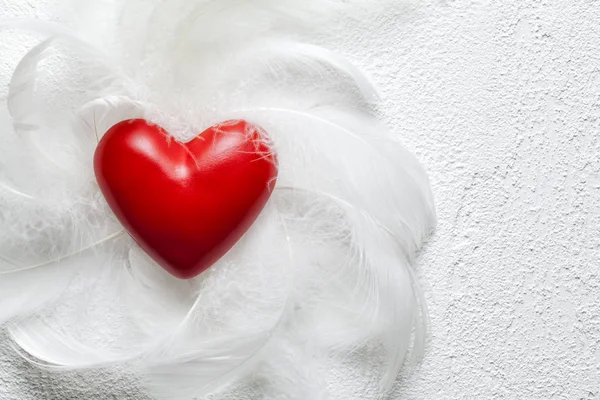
(501, 102)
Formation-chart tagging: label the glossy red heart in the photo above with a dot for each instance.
(185, 204)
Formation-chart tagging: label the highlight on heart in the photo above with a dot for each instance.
(206, 199)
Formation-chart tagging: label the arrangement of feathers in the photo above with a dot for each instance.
(323, 276)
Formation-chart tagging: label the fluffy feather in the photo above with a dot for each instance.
(323, 275)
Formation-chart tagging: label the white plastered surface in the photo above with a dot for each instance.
(501, 102)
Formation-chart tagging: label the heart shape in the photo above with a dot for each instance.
(185, 204)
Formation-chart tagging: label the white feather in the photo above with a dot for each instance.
(36, 287)
(46, 162)
(201, 344)
(325, 272)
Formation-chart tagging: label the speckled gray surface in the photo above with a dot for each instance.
(501, 102)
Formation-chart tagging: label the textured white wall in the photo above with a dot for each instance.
(501, 102)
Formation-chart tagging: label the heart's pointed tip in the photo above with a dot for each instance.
(183, 276)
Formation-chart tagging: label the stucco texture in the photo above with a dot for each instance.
(501, 102)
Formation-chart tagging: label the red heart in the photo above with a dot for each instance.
(185, 204)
